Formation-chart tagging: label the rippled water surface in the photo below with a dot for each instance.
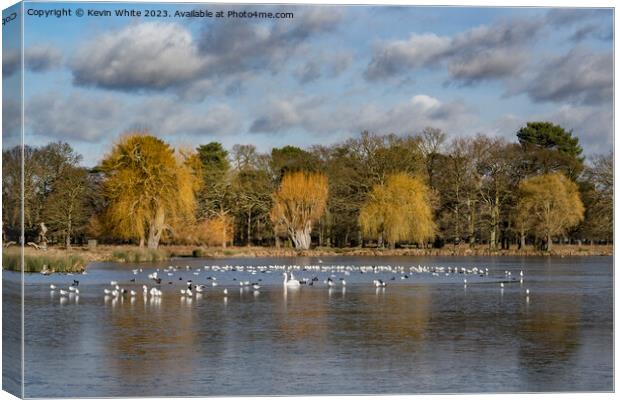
(418, 335)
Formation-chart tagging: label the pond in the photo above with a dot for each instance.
(426, 333)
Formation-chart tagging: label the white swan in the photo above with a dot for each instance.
(290, 282)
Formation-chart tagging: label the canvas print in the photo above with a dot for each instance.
(211, 199)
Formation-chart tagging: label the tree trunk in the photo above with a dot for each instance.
(68, 237)
(522, 241)
(548, 242)
(141, 244)
(156, 229)
(249, 228)
(301, 239)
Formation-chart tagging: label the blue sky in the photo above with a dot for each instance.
(323, 76)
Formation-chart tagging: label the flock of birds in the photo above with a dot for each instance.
(337, 275)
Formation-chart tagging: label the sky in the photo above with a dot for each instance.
(323, 76)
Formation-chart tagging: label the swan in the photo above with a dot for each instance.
(290, 282)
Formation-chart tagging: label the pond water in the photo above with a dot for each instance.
(428, 333)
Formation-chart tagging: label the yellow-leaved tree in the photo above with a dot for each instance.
(298, 203)
(399, 210)
(147, 189)
(549, 205)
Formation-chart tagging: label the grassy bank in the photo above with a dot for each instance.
(561, 251)
(54, 261)
(138, 255)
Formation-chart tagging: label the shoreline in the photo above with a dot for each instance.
(78, 258)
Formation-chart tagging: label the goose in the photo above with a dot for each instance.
(290, 282)
(72, 288)
(77, 291)
(329, 282)
(188, 292)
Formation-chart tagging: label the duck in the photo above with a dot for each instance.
(290, 282)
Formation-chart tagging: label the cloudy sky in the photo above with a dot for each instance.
(323, 76)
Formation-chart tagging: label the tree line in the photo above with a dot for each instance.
(372, 190)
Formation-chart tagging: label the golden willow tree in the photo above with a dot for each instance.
(298, 203)
(148, 190)
(398, 211)
(549, 205)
